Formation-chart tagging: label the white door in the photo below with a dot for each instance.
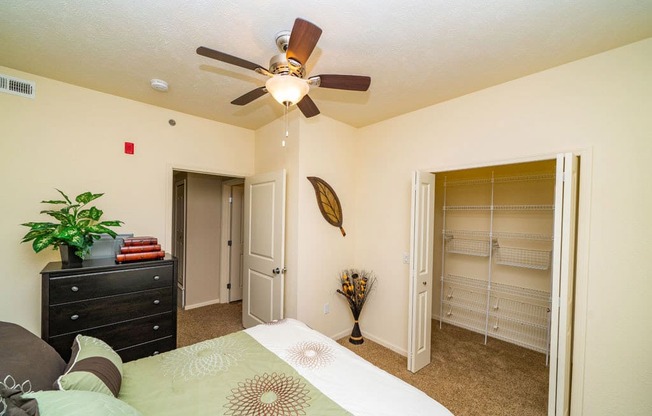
(237, 244)
(263, 261)
(562, 285)
(179, 250)
(421, 274)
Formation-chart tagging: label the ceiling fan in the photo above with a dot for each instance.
(287, 82)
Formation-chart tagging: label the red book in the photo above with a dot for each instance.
(140, 241)
(150, 255)
(139, 249)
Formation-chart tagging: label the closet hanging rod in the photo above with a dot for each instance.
(503, 179)
(525, 178)
(499, 234)
(540, 207)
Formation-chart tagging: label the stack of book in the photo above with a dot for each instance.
(139, 248)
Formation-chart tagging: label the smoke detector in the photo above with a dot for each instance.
(159, 85)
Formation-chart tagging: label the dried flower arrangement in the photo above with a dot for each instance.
(356, 287)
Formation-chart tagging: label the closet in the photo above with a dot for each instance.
(493, 249)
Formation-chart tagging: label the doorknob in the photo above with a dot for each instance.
(425, 283)
(276, 271)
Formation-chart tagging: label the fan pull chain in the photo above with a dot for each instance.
(286, 123)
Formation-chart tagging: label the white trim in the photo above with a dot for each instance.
(386, 344)
(199, 305)
(492, 162)
(182, 270)
(581, 281)
(371, 337)
(227, 218)
(224, 246)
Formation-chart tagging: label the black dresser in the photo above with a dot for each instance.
(130, 306)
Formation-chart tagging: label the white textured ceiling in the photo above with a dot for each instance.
(417, 53)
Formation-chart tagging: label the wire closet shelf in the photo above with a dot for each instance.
(520, 315)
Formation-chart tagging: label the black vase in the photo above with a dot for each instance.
(356, 335)
(68, 256)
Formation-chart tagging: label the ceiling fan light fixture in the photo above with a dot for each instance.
(287, 89)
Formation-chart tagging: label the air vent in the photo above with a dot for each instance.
(15, 86)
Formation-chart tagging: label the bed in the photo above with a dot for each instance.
(282, 368)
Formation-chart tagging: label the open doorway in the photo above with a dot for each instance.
(203, 228)
(493, 253)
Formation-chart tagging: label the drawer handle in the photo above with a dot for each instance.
(156, 302)
(157, 277)
(74, 288)
(74, 317)
(156, 327)
(155, 353)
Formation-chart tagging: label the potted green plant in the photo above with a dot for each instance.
(75, 232)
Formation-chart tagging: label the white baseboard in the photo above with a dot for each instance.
(375, 339)
(341, 335)
(386, 344)
(199, 305)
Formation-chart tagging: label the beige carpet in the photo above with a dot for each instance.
(466, 376)
(208, 322)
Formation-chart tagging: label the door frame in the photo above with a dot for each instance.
(169, 195)
(581, 260)
(181, 289)
(226, 225)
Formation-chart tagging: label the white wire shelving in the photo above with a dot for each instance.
(521, 257)
(468, 247)
(515, 314)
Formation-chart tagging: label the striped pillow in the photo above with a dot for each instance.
(93, 366)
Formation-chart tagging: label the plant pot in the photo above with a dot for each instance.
(356, 335)
(68, 256)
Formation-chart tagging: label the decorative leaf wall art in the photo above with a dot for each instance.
(328, 202)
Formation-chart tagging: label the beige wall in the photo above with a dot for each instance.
(315, 250)
(327, 151)
(72, 138)
(603, 104)
(203, 236)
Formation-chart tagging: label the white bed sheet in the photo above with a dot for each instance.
(352, 382)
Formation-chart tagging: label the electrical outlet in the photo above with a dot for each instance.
(406, 258)
(327, 308)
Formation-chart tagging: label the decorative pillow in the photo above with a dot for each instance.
(27, 360)
(13, 404)
(26, 363)
(93, 366)
(80, 403)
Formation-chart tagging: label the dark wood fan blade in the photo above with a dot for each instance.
(229, 59)
(250, 96)
(344, 82)
(308, 107)
(303, 39)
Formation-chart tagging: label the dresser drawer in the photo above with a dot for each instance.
(76, 316)
(147, 349)
(121, 335)
(92, 285)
